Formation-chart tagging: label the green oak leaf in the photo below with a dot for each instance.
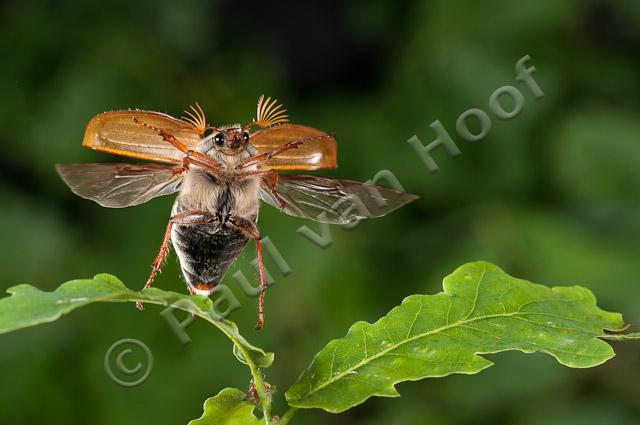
(228, 407)
(482, 310)
(29, 306)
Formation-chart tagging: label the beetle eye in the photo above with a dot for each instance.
(245, 136)
(219, 139)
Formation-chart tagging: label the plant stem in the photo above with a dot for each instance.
(263, 394)
(265, 397)
(287, 416)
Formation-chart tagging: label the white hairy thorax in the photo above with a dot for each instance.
(201, 191)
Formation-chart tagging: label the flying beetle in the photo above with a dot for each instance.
(221, 174)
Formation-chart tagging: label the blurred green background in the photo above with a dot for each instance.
(552, 196)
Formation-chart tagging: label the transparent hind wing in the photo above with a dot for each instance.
(333, 201)
(120, 185)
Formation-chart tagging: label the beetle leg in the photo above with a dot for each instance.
(246, 174)
(204, 161)
(183, 218)
(192, 157)
(268, 155)
(167, 137)
(272, 182)
(251, 230)
(272, 188)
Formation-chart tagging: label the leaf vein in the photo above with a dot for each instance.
(475, 298)
(415, 318)
(336, 376)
